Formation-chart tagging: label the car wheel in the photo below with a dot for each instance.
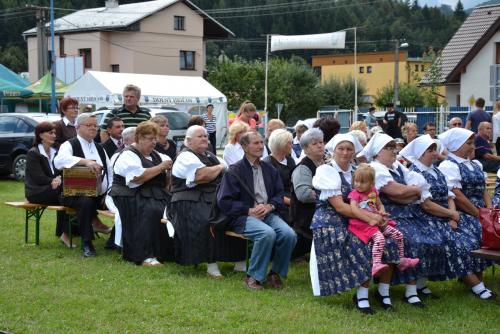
(19, 167)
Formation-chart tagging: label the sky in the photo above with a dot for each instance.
(467, 3)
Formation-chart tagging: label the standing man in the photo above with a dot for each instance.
(370, 118)
(130, 113)
(483, 151)
(255, 216)
(211, 126)
(82, 151)
(477, 116)
(393, 122)
(115, 141)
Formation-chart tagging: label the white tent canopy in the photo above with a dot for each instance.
(189, 94)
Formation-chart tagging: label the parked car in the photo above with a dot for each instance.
(178, 121)
(17, 131)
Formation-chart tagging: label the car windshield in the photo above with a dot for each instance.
(177, 120)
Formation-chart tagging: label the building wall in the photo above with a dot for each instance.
(475, 82)
(452, 92)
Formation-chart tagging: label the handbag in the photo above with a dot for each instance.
(488, 217)
(218, 219)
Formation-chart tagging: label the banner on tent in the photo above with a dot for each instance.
(333, 40)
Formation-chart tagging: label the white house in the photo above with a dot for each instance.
(470, 62)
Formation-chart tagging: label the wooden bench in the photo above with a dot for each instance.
(33, 212)
(487, 254)
(248, 241)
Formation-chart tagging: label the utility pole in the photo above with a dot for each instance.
(42, 48)
(396, 75)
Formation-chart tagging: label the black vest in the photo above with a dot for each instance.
(302, 213)
(180, 192)
(154, 188)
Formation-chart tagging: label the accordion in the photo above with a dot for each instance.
(81, 181)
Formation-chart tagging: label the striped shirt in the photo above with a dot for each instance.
(129, 119)
(209, 124)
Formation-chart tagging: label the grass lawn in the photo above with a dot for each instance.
(51, 289)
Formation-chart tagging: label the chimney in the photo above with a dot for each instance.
(111, 4)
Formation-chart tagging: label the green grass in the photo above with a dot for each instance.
(51, 289)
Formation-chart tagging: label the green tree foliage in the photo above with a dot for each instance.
(13, 57)
(340, 91)
(459, 13)
(410, 95)
(291, 82)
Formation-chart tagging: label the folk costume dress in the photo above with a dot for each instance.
(468, 176)
(496, 196)
(190, 209)
(141, 206)
(339, 260)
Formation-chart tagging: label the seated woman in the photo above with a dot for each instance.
(233, 152)
(438, 208)
(399, 190)
(280, 144)
(42, 183)
(465, 178)
(195, 176)
(340, 261)
(139, 193)
(163, 144)
(496, 196)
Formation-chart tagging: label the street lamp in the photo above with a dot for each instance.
(396, 70)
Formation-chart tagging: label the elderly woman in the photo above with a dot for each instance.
(303, 196)
(139, 193)
(438, 208)
(339, 260)
(361, 126)
(410, 132)
(65, 128)
(465, 178)
(42, 184)
(233, 151)
(280, 144)
(195, 176)
(398, 194)
(163, 144)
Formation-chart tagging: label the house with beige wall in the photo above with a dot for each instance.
(374, 69)
(155, 37)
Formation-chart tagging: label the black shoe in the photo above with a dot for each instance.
(478, 295)
(418, 304)
(364, 310)
(423, 294)
(380, 300)
(88, 250)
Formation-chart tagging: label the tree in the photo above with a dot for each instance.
(459, 12)
(410, 96)
(13, 57)
(340, 91)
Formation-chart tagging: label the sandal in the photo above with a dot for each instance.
(491, 297)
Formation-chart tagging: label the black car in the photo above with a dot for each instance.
(17, 131)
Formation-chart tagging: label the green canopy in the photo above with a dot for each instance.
(10, 90)
(42, 88)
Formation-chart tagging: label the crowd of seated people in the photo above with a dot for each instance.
(291, 202)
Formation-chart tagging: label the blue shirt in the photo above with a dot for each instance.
(482, 147)
(476, 117)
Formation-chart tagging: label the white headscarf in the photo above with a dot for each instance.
(340, 137)
(454, 138)
(375, 145)
(417, 147)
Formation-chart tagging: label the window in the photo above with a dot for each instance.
(422, 68)
(317, 70)
(361, 69)
(368, 69)
(416, 68)
(179, 23)
(87, 57)
(115, 68)
(187, 60)
(497, 59)
(61, 47)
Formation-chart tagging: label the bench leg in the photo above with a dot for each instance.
(35, 214)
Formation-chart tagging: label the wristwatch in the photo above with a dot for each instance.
(272, 207)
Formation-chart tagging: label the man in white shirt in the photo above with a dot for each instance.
(82, 151)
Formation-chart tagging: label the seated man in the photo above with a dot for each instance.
(82, 151)
(257, 220)
(483, 151)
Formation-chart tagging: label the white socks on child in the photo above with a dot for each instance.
(362, 293)
(383, 290)
(422, 285)
(478, 288)
(411, 290)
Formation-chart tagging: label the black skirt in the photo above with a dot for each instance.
(144, 236)
(195, 242)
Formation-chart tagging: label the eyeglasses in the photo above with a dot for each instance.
(91, 126)
(457, 124)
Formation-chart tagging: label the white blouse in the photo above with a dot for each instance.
(185, 166)
(452, 172)
(327, 180)
(233, 153)
(51, 158)
(129, 165)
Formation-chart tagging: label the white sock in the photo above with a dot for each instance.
(362, 293)
(213, 269)
(411, 290)
(478, 288)
(383, 290)
(422, 284)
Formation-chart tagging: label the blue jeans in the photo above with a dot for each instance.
(270, 233)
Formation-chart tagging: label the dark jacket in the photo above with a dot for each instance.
(234, 201)
(63, 132)
(110, 147)
(39, 176)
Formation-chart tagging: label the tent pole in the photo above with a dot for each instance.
(52, 60)
(267, 70)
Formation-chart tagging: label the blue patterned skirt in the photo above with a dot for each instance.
(343, 260)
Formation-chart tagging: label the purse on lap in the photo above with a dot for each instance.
(489, 219)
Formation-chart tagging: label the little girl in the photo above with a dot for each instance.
(371, 221)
